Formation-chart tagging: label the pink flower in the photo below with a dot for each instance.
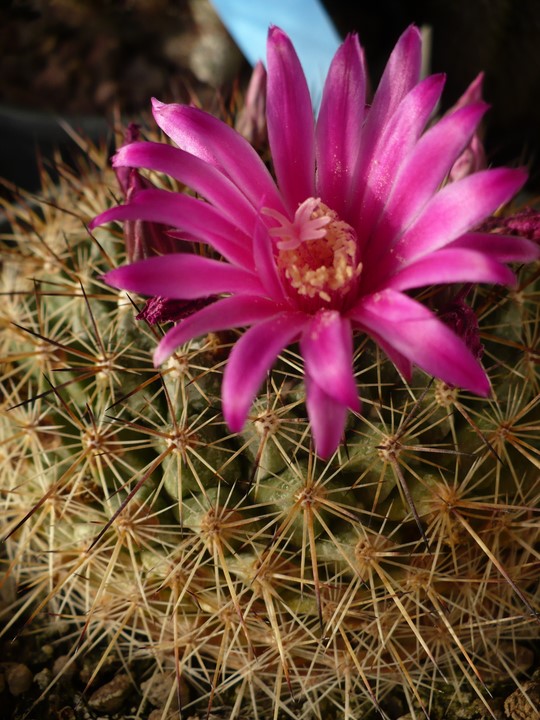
(355, 218)
(142, 239)
(462, 319)
(251, 119)
(473, 156)
(524, 222)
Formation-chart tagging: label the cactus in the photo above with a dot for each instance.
(240, 575)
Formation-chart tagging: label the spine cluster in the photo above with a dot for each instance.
(241, 572)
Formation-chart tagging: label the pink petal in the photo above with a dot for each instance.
(263, 256)
(339, 124)
(251, 358)
(231, 312)
(458, 207)
(193, 216)
(189, 170)
(183, 276)
(473, 156)
(395, 142)
(471, 160)
(422, 173)
(451, 265)
(504, 248)
(290, 121)
(472, 94)
(416, 333)
(213, 141)
(326, 346)
(327, 417)
(402, 363)
(401, 74)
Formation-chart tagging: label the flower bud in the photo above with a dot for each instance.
(251, 120)
(473, 157)
(143, 239)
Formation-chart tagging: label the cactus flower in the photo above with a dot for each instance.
(462, 319)
(524, 222)
(473, 157)
(142, 239)
(251, 120)
(358, 213)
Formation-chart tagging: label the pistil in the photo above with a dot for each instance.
(316, 254)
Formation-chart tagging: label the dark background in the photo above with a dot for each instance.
(500, 37)
(83, 58)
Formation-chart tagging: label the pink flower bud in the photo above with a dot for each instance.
(143, 239)
(161, 310)
(251, 120)
(461, 318)
(473, 157)
(524, 223)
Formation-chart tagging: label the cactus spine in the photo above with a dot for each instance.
(242, 574)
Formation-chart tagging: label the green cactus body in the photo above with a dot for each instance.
(258, 579)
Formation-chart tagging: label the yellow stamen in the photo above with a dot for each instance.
(317, 251)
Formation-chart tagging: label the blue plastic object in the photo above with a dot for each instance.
(305, 21)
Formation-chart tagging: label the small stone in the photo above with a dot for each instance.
(157, 690)
(18, 677)
(8, 589)
(110, 697)
(67, 713)
(157, 714)
(59, 667)
(518, 707)
(88, 668)
(47, 651)
(43, 678)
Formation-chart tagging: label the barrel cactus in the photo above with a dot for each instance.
(378, 560)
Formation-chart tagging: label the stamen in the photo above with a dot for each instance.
(316, 253)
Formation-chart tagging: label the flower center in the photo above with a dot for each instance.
(316, 254)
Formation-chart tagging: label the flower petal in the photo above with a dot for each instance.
(458, 207)
(195, 217)
(190, 170)
(326, 346)
(395, 141)
(451, 265)
(401, 74)
(290, 121)
(504, 248)
(422, 173)
(183, 276)
(327, 417)
(472, 94)
(231, 312)
(213, 141)
(416, 333)
(251, 358)
(339, 124)
(263, 256)
(402, 363)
